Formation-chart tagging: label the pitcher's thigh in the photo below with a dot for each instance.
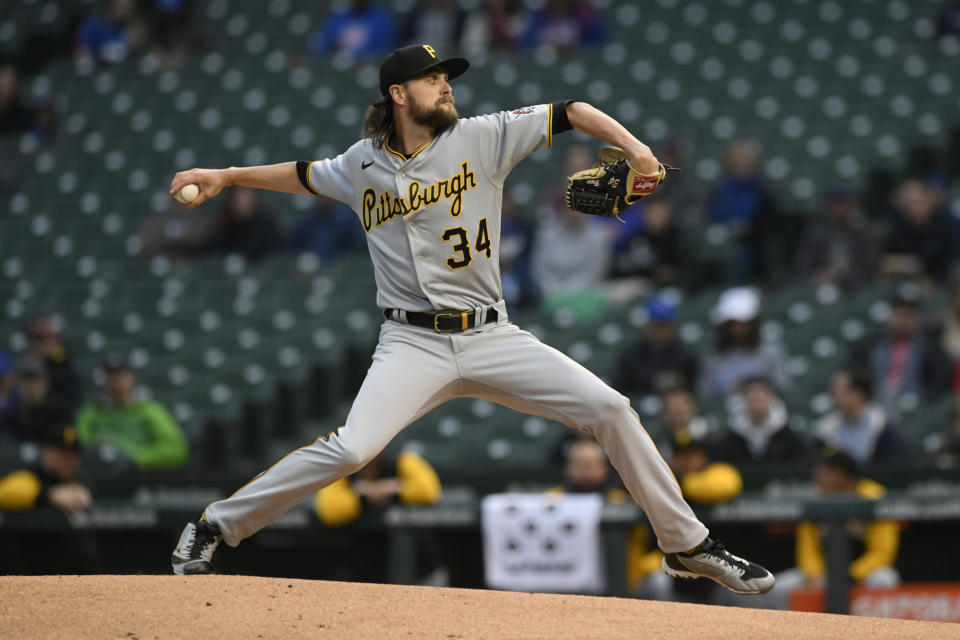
(533, 377)
(410, 375)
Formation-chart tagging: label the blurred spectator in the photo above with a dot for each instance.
(571, 254)
(365, 28)
(10, 166)
(566, 25)
(32, 409)
(172, 31)
(329, 229)
(858, 426)
(576, 158)
(921, 238)
(650, 244)
(439, 22)
(681, 419)
(740, 351)
(938, 188)
(15, 114)
(54, 481)
(65, 385)
(109, 34)
(178, 231)
(876, 542)
(571, 251)
(408, 479)
(702, 482)
(904, 358)
(246, 225)
(588, 471)
(947, 452)
(516, 245)
(561, 449)
(19, 115)
(840, 248)
(44, 121)
(744, 205)
(7, 380)
(759, 429)
(945, 335)
(657, 360)
(119, 425)
(948, 19)
(682, 189)
(496, 25)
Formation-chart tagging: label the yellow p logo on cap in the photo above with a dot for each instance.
(429, 49)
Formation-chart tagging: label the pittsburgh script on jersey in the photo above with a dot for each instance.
(386, 205)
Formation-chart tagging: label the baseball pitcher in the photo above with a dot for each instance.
(426, 186)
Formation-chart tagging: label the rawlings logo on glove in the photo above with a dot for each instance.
(644, 185)
(602, 189)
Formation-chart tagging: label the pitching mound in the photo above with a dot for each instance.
(149, 607)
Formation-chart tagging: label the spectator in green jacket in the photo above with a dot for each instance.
(139, 430)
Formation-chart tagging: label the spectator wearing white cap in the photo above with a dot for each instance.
(740, 352)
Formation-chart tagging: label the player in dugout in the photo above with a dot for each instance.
(703, 482)
(53, 481)
(406, 479)
(878, 541)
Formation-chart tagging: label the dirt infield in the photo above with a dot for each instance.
(161, 607)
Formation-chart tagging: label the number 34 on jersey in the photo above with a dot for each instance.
(460, 238)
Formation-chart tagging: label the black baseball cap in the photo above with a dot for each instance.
(60, 435)
(114, 362)
(839, 460)
(682, 440)
(410, 61)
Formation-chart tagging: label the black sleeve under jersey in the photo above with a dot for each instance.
(561, 121)
(302, 169)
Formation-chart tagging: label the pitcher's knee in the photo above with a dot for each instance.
(349, 453)
(609, 408)
(356, 458)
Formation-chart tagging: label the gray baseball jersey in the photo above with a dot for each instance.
(433, 221)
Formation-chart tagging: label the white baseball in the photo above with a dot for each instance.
(188, 193)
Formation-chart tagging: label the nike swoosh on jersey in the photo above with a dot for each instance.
(364, 165)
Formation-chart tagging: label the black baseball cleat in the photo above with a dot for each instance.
(194, 552)
(711, 560)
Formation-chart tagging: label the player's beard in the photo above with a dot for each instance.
(437, 117)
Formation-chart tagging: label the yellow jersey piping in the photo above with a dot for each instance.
(309, 181)
(412, 155)
(549, 125)
(306, 446)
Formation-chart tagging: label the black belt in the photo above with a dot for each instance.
(444, 321)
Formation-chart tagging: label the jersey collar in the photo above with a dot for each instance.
(413, 155)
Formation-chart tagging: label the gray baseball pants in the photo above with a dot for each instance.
(415, 370)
